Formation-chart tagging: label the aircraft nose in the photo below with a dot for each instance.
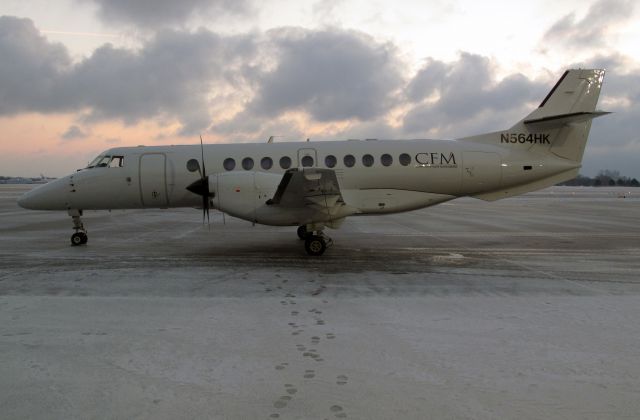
(23, 201)
(50, 196)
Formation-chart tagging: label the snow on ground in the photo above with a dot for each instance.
(524, 308)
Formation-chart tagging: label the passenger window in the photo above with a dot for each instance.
(349, 161)
(266, 163)
(307, 161)
(330, 161)
(229, 164)
(285, 162)
(247, 163)
(386, 159)
(405, 159)
(367, 160)
(117, 162)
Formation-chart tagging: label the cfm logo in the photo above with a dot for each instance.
(435, 159)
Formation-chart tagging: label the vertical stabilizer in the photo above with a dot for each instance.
(561, 124)
(566, 113)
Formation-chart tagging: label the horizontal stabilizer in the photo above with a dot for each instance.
(560, 120)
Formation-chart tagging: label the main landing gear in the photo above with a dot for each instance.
(314, 243)
(80, 237)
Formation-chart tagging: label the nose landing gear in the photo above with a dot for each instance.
(80, 237)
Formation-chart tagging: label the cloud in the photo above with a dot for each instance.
(73, 132)
(467, 98)
(158, 13)
(171, 76)
(331, 75)
(30, 67)
(593, 29)
(325, 83)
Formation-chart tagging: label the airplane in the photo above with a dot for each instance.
(315, 185)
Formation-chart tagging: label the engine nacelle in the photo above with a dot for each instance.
(245, 195)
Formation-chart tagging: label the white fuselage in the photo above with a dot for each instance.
(374, 176)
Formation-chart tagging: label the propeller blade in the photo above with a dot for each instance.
(204, 171)
(201, 188)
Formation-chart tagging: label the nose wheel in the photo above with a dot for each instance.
(80, 237)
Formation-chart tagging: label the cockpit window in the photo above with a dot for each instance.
(117, 162)
(107, 161)
(102, 163)
(94, 162)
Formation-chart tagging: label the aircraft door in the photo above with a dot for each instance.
(153, 182)
(307, 158)
(482, 171)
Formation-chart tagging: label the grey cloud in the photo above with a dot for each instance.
(427, 80)
(171, 76)
(468, 96)
(157, 13)
(30, 67)
(73, 132)
(331, 74)
(593, 28)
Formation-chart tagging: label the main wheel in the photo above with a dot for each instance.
(315, 245)
(78, 238)
(302, 232)
(85, 238)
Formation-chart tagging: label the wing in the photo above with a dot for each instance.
(312, 187)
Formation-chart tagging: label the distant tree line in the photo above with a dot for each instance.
(605, 178)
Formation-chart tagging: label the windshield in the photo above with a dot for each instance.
(100, 161)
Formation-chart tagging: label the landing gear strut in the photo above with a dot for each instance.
(303, 233)
(80, 237)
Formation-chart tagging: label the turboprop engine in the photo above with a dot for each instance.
(245, 194)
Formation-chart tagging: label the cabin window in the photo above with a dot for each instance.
(285, 162)
(307, 161)
(405, 159)
(349, 161)
(229, 164)
(117, 162)
(247, 164)
(193, 165)
(367, 160)
(386, 159)
(266, 163)
(330, 161)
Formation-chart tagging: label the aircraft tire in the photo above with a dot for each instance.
(85, 238)
(77, 239)
(315, 245)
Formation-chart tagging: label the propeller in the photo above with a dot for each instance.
(201, 186)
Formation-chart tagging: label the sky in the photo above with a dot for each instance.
(78, 77)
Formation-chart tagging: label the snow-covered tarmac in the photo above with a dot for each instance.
(526, 308)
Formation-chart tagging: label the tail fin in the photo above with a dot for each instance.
(566, 113)
(561, 124)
